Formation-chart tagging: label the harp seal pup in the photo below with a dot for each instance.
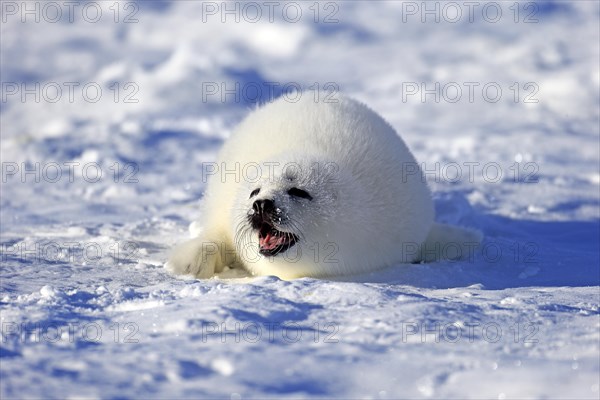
(315, 189)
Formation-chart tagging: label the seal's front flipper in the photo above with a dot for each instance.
(446, 242)
(197, 257)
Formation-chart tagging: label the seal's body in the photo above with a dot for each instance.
(313, 189)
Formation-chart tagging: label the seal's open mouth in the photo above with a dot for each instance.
(272, 242)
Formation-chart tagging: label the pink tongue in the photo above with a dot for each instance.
(269, 242)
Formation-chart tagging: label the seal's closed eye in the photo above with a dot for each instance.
(299, 193)
(254, 193)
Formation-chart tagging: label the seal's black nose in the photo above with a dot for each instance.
(264, 206)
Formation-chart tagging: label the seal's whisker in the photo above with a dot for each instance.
(296, 229)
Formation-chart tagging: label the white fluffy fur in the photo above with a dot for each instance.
(370, 208)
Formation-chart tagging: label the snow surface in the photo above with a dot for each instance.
(87, 309)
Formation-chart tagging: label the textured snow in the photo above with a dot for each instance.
(87, 309)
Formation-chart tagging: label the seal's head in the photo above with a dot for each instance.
(285, 212)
